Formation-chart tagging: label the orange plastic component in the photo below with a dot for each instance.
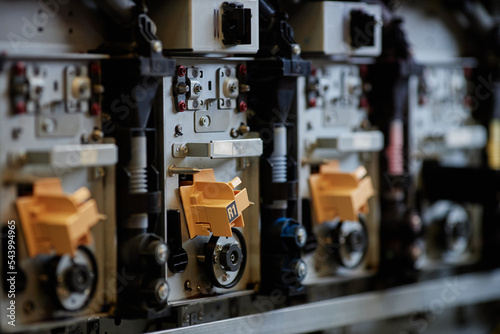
(338, 194)
(212, 206)
(54, 222)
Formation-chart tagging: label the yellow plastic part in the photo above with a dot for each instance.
(212, 206)
(493, 147)
(338, 194)
(54, 222)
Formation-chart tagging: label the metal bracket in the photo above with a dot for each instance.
(219, 149)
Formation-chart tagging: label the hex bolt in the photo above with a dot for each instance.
(218, 248)
(187, 285)
(186, 318)
(225, 277)
(296, 49)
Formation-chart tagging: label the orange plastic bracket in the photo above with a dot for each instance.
(338, 194)
(212, 206)
(56, 222)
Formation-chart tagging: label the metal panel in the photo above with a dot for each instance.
(431, 295)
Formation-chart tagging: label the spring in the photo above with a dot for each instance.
(394, 151)
(279, 156)
(137, 166)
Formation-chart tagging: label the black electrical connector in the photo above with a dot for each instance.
(362, 29)
(236, 24)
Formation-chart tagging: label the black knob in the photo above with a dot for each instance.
(78, 278)
(230, 257)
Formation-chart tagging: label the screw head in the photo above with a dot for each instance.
(233, 87)
(242, 69)
(181, 71)
(48, 125)
(195, 104)
(161, 253)
(182, 106)
(157, 47)
(184, 149)
(296, 49)
(228, 102)
(228, 72)
(162, 291)
(243, 106)
(96, 136)
(197, 88)
(218, 248)
(186, 318)
(195, 72)
(95, 110)
(178, 130)
(205, 121)
(20, 107)
(301, 236)
(300, 270)
(234, 133)
(95, 68)
(20, 68)
(312, 102)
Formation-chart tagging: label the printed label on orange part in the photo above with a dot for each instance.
(232, 212)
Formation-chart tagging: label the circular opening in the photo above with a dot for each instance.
(234, 257)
